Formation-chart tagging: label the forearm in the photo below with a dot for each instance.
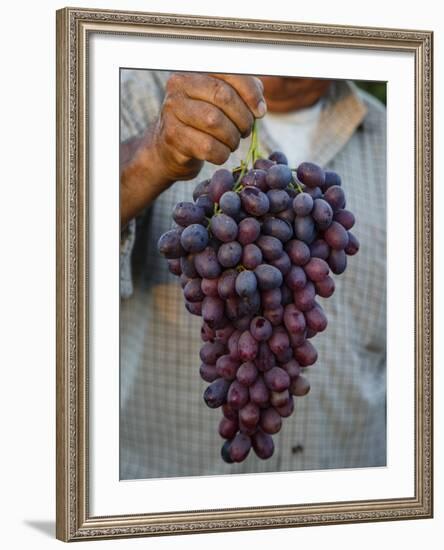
(141, 178)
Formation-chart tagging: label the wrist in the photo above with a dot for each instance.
(142, 179)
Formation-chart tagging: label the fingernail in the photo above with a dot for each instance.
(261, 108)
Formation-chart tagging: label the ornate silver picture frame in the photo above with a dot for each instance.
(74, 520)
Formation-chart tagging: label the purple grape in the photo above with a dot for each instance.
(170, 246)
(242, 323)
(210, 287)
(304, 229)
(249, 231)
(345, 218)
(268, 277)
(240, 447)
(277, 379)
(211, 351)
(229, 413)
(246, 283)
(206, 263)
(298, 251)
(279, 340)
(183, 280)
(247, 373)
(195, 308)
(271, 298)
(212, 311)
(221, 181)
(304, 298)
(206, 204)
(193, 291)
(248, 346)
(187, 266)
(230, 204)
(270, 421)
(337, 261)
(335, 197)
(251, 256)
(292, 368)
(201, 189)
(228, 428)
(325, 288)
(255, 178)
(277, 228)
(279, 398)
(283, 263)
(225, 452)
(224, 228)
(310, 174)
(249, 415)
(316, 269)
(319, 249)
(223, 334)
(265, 359)
(233, 344)
(352, 246)
(216, 393)
(336, 236)
(194, 238)
(271, 247)
(237, 396)
(278, 176)
(306, 354)
(208, 372)
(314, 192)
(254, 201)
(287, 409)
(322, 213)
(260, 329)
(287, 215)
(263, 164)
(296, 279)
(300, 386)
(229, 254)
(316, 319)
(287, 295)
(226, 367)
(274, 315)
(302, 204)
(226, 284)
(259, 392)
(262, 444)
(278, 157)
(331, 178)
(297, 338)
(174, 266)
(187, 213)
(294, 319)
(279, 200)
(249, 305)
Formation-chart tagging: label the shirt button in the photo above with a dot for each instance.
(296, 449)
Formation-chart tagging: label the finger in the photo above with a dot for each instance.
(192, 143)
(250, 89)
(214, 91)
(209, 119)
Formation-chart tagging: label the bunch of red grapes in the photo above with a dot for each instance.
(253, 252)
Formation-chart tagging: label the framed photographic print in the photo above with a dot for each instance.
(244, 274)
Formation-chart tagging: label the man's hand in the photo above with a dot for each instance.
(202, 119)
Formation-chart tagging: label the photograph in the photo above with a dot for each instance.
(244, 274)
(252, 274)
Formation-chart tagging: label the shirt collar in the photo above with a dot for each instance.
(342, 112)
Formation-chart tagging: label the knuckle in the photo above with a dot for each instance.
(207, 147)
(222, 93)
(174, 82)
(212, 118)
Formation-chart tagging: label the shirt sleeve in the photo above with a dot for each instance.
(141, 95)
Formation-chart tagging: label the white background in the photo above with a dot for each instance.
(28, 275)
